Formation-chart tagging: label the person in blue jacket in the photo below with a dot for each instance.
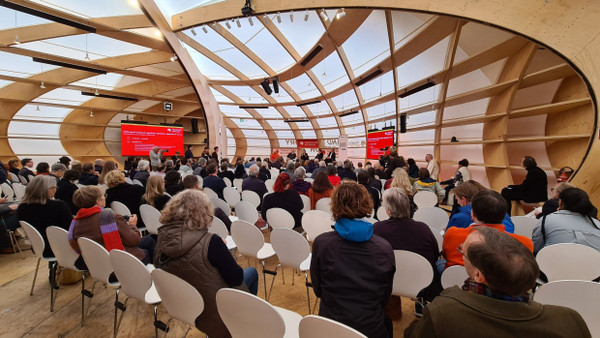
(461, 216)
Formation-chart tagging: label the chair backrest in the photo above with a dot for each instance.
(227, 182)
(34, 236)
(382, 180)
(13, 177)
(251, 197)
(128, 180)
(280, 218)
(317, 326)
(96, 259)
(237, 183)
(239, 309)
(425, 199)
(316, 222)
(23, 179)
(305, 202)
(382, 214)
(324, 204)
(184, 173)
(132, 274)
(454, 275)
(200, 180)
(58, 239)
(274, 173)
(581, 296)
(19, 191)
(290, 247)
(210, 193)
(231, 195)
(524, 225)
(7, 191)
(246, 212)
(269, 184)
(218, 227)
(219, 203)
(248, 237)
(138, 182)
(151, 217)
(569, 261)
(435, 217)
(309, 179)
(439, 236)
(413, 274)
(181, 299)
(120, 208)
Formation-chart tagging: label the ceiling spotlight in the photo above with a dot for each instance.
(278, 17)
(306, 16)
(174, 57)
(96, 92)
(266, 87)
(43, 86)
(276, 85)
(292, 16)
(157, 32)
(204, 29)
(324, 75)
(324, 15)
(17, 42)
(227, 24)
(87, 57)
(250, 21)
(247, 9)
(237, 21)
(91, 113)
(266, 18)
(216, 26)
(134, 3)
(193, 32)
(38, 108)
(341, 14)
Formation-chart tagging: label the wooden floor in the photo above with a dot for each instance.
(22, 315)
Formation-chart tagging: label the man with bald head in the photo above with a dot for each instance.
(495, 301)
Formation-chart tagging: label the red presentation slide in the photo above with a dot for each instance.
(139, 139)
(376, 140)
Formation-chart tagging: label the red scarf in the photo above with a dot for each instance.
(87, 212)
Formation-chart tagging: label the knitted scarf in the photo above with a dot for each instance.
(482, 289)
(108, 226)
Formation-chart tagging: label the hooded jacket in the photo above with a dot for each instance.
(461, 218)
(429, 184)
(352, 271)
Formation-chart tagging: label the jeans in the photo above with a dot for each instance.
(251, 279)
(147, 245)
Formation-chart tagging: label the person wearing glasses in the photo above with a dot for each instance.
(488, 209)
(496, 298)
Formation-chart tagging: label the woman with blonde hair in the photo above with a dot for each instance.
(108, 167)
(402, 181)
(186, 249)
(121, 191)
(155, 192)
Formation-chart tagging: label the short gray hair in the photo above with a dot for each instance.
(37, 190)
(396, 200)
(322, 164)
(58, 167)
(299, 173)
(202, 161)
(264, 164)
(253, 171)
(142, 165)
(291, 165)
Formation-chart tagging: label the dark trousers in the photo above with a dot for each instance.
(510, 195)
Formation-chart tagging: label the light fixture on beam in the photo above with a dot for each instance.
(296, 121)
(307, 103)
(47, 16)
(91, 113)
(68, 65)
(227, 24)
(266, 87)
(276, 84)
(253, 107)
(250, 21)
(238, 23)
(352, 112)
(157, 32)
(292, 16)
(204, 29)
(417, 89)
(174, 57)
(108, 96)
(193, 32)
(17, 41)
(324, 15)
(42, 85)
(306, 16)
(278, 17)
(341, 14)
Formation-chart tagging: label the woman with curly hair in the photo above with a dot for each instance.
(352, 270)
(186, 249)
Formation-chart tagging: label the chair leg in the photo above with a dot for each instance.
(307, 292)
(88, 294)
(35, 276)
(155, 321)
(274, 273)
(283, 275)
(123, 308)
(15, 243)
(54, 287)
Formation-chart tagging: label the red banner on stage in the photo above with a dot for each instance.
(308, 143)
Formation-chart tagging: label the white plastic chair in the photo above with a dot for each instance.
(151, 217)
(274, 173)
(218, 227)
(7, 191)
(38, 246)
(454, 275)
(19, 191)
(269, 184)
(569, 261)
(237, 183)
(251, 243)
(200, 180)
(309, 179)
(227, 181)
(436, 218)
(280, 218)
(23, 180)
(182, 300)
(246, 212)
(210, 193)
(439, 236)
(120, 208)
(524, 225)
(316, 326)
(382, 180)
(316, 222)
(413, 274)
(128, 180)
(382, 214)
(239, 310)
(219, 203)
(293, 250)
(98, 263)
(425, 199)
(13, 177)
(323, 204)
(138, 182)
(251, 197)
(305, 203)
(58, 239)
(135, 282)
(581, 296)
(232, 196)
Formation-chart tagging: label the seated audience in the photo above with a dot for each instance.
(26, 165)
(42, 168)
(108, 166)
(402, 181)
(321, 167)
(534, 187)
(225, 172)
(572, 223)
(66, 187)
(173, 183)
(57, 170)
(346, 172)
(321, 188)
(187, 167)
(352, 270)
(426, 183)
(413, 170)
(88, 176)
(300, 185)
(388, 182)
(253, 183)
(214, 182)
(363, 179)
(496, 300)
(264, 173)
(201, 168)
(394, 162)
(488, 209)
(289, 168)
(240, 171)
(191, 182)
(551, 205)
(332, 175)
(462, 175)
(103, 226)
(121, 191)
(65, 160)
(155, 193)
(13, 166)
(284, 197)
(374, 181)
(461, 216)
(99, 165)
(39, 208)
(186, 249)
(143, 172)
(403, 233)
